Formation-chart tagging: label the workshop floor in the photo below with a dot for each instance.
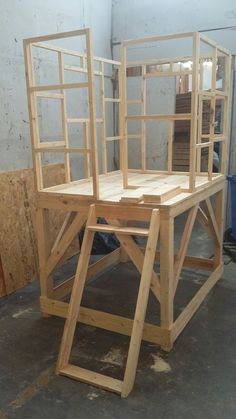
(197, 380)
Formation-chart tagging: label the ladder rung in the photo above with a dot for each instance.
(107, 228)
(91, 377)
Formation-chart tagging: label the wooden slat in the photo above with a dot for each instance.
(65, 241)
(76, 296)
(184, 244)
(119, 230)
(91, 377)
(162, 194)
(60, 86)
(193, 305)
(141, 306)
(159, 117)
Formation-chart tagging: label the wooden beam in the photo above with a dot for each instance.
(184, 244)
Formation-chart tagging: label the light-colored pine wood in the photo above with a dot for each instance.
(141, 306)
(126, 196)
(179, 260)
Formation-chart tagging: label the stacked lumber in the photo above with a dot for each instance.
(181, 146)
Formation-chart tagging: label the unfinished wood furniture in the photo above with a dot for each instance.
(127, 195)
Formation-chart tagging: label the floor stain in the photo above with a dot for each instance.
(22, 313)
(33, 388)
(159, 364)
(92, 396)
(114, 357)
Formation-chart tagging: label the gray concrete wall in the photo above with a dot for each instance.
(23, 19)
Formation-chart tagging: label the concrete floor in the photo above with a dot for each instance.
(196, 380)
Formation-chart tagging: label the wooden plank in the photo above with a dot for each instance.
(212, 220)
(158, 38)
(86, 149)
(141, 306)
(161, 194)
(166, 269)
(188, 228)
(60, 86)
(64, 243)
(193, 305)
(134, 195)
(137, 258)
(103, 114)
(106, 321)
(92, 113)
(64, 117)
(60, 35)
(106, 228)
(91, 377)
(194, 107)
(120, 212)
(143, 123)
(76, 295)
(160, 117)
(3, 289)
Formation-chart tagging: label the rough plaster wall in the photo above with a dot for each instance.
(21, 19)
(139, 18)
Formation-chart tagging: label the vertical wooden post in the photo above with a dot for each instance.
(86, 146)
(219, 215)
(212, 113)
(120, 117)
(166, 270)
(103, 116)
(92, 113)
(170, 134)
(199, 133)
(194, 109)
(77, 291)
(141, 306)
(124, 119)
(33, 118)
(64, 116)
(143, 122)
(226, 114)
(43, 239)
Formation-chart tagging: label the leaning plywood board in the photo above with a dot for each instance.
(18, 246)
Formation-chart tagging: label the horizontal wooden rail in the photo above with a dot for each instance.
(167, 73)
(175, 117)
(111, 99)
(113, 138)
(81, 120)
(58, 87)
(49, 95)
(158, 38)
(61, 149)
(73, 53)
(80, 70)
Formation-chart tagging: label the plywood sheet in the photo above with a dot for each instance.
(18, 246)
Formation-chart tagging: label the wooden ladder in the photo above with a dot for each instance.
(144, 263)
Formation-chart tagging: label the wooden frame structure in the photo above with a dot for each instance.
(126, 196)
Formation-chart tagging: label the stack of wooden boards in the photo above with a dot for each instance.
(181, 146)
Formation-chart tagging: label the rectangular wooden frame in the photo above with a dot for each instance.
(197, 95)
